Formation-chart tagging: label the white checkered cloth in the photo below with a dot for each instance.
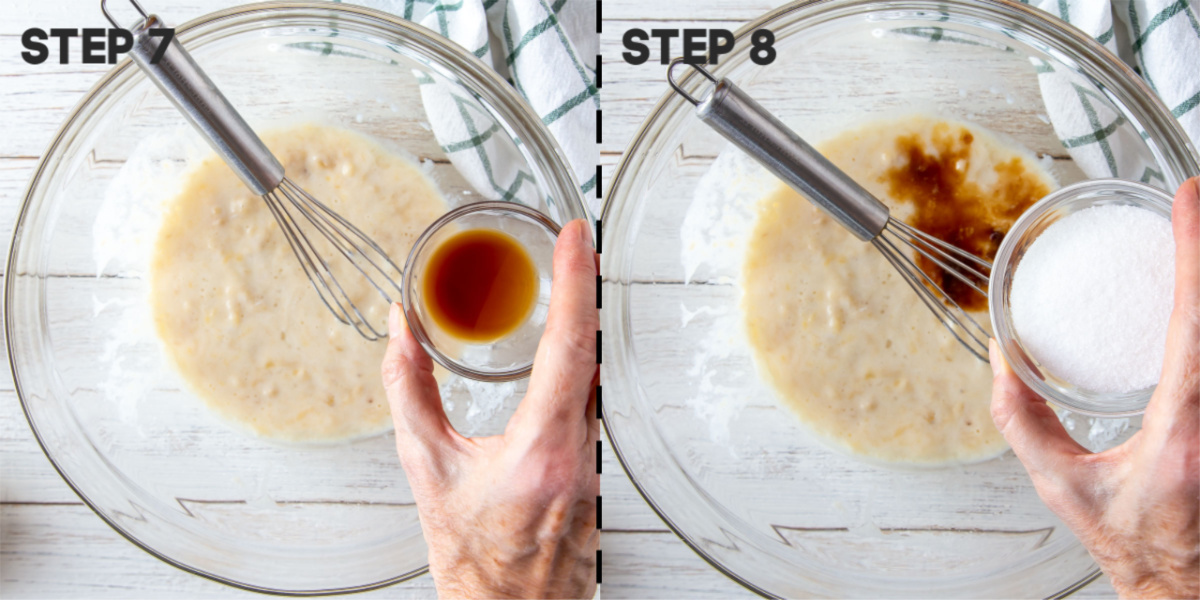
(1160, 39)
(548, 50)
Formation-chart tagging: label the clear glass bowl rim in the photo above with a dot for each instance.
(550, 162)
(418, 331)
(1139, 194)
(1119, 78)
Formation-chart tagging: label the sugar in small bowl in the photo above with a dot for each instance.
(1081, 293)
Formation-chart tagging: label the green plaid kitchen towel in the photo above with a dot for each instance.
(1160, 39)
(548, 50)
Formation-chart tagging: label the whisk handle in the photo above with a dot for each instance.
(741, 120)
(195, 95)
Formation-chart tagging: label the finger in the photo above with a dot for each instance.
(412, 392)
(1185, 220)
(592, 412)
(1030, 426)
(1179, 386)
(565, 364)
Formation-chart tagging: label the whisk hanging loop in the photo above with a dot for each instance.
(107, 15)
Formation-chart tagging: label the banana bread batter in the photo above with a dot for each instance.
(838, 333)
(236, 313)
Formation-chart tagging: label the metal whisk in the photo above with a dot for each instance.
(304, 220)
(741, 120)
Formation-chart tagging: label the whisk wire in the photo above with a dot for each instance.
(299, 204)
(326, 215)
(942, 258)
(950, 259)
(965, 329)
(316, 268)
(927, 297)
(354, 245)
(951, 249)
(301, 252)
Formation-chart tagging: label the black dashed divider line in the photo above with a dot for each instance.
(599, 281)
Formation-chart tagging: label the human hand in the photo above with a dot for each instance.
(511, 515)
(1135, 507)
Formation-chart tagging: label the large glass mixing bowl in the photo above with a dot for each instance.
(725, 465)
(117, 423)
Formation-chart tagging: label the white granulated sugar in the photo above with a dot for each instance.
(1092, 297)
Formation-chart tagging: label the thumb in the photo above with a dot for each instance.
(1030, 426)
(412, 392)
(1178, 390)
(565, 365)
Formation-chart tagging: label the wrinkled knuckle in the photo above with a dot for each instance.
(395, 369)
(582, 344)
(591, 317)
(1001, 408)
(564, 517)
(578, 343)
(391, 371)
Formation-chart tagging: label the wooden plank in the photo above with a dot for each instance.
(14, 176)
(657, 565)
(624, 507)
(39, 97)
(27, 474)
(64, 551)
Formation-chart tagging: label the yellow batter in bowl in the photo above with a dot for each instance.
(838, 333)
(235, 312)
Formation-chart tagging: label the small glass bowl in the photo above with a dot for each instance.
(1068, 200)
(511, 356)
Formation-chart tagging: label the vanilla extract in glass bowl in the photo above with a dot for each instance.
(481, 285)
(476, 289)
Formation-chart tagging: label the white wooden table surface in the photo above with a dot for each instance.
(51, 545)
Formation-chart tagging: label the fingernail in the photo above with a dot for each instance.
(394, 320)
(994, 357)
(573, 232)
